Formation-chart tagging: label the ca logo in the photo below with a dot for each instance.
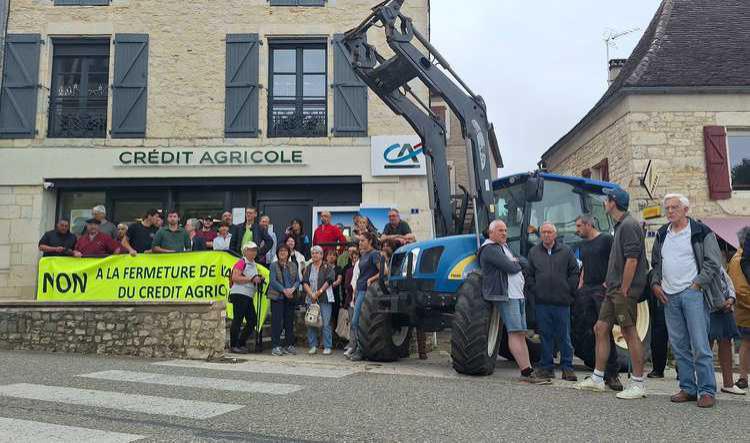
(405, 158)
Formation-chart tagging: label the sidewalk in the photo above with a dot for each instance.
(438, 366)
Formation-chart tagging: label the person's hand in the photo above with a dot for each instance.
(625, 291)
(695, 287)
(77, 254)
(256, 280)
(60, 249)
(133, 253)
(659, 293)
(728, 305)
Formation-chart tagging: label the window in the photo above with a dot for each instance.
(560, 206)
(510, 207)
(76, 206)
(739, 159)
(297, 95)
(80, 83)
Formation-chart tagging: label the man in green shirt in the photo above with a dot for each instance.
(171, 238)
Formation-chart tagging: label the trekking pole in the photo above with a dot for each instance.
(258, 325)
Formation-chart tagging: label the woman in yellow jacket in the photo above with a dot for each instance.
(742, 309)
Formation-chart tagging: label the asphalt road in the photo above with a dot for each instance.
(326, 398)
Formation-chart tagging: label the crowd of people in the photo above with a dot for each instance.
(330, 271)
(701, 302)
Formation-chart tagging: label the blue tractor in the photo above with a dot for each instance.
(433, 284)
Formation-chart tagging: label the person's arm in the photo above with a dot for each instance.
(632, 248)
(341, 239)
(580, 278)
(234, 239)
(497, 258)
(530, 274)
(44, 247)
(275, 285)
(156, 244)
(77, 249)
(128, 247)
(712, 262)
(238, 276)
(187, 243)
(573, 273)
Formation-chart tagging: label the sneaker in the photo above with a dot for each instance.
(544, 373)
(239, 350)
(613, 383)
(741, 383)
(634, 391)
(327, 351)
(277, 351)
(734, 389)
(535, 378)
(313, 350)
(291, 350)
(356, 356)
(588, 384)
(655, 374)
(348, 352)
(569, 375)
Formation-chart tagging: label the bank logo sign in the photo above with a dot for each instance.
(397, 155)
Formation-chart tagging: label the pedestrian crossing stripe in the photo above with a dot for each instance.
(264, 368)
(145, 404)
(17, 430)
(195, 382)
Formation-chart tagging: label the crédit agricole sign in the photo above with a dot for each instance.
(210, 157)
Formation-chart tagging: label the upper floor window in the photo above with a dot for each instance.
(738, 143)
(82, 2)
(297, 94)
(79, 88)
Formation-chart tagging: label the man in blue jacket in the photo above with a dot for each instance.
(251, 232)
(503, 284)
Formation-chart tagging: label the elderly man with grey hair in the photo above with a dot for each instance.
(99, 212)
(686, 277)
(553, 280)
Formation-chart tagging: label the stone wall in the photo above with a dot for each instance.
(21, 220)
(667, 131)
(148, 329)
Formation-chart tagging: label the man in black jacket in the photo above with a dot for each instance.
(553, 279)
(251, 231)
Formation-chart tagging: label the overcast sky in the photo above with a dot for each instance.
(540, 65)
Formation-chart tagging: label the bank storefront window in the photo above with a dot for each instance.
(198, 204)
(76, 206)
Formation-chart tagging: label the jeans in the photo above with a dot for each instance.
(687, 324)
(242, 309)
(554, 325)
(282, 318)
(312, 333)
(354, 340)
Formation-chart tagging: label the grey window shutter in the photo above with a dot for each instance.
(20, 86)
(130, 86)
(312, 2)
(349, 95)
(241, 94)
(283, 2)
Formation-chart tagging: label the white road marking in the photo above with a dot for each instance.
(264, 368)
(196, 382)
(16, 430)
(145, 404)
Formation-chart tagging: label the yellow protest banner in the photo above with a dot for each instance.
(185, 277)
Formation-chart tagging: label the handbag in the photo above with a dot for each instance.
(313, 319)
(343, 325)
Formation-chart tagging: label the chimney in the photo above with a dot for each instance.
(615, 66)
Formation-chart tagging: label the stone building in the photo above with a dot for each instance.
(681, 104)
(202, 106)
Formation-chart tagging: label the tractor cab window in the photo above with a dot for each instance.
(602, 222)
(509, 208)
(560, 206)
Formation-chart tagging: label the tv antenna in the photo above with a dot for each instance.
(610, 35)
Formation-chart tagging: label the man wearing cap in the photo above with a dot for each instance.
(94, 243)
(99, 212)
(626, 279)
(207, 231)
